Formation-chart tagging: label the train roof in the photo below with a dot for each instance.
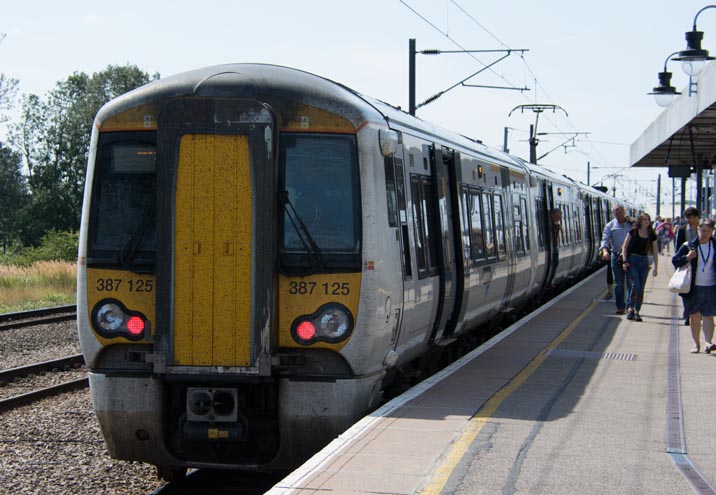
(394, 115)
(263, 82)
(266, 82)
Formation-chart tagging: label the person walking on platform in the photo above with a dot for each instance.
(664, 233)
(638, 245)
(615, 233)
(700, 301)
(688, 231)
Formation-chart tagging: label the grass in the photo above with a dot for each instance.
(40, 285)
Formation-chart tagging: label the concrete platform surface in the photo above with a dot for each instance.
(572, 399)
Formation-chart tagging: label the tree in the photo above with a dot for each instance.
(13, 193)
(8, 90)
(54, 138)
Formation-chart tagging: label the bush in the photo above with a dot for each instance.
(54, 246)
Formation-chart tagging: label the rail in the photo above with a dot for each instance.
(37, 317)
(42, 393)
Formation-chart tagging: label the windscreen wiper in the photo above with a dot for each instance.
(131, 247)
(315, 256)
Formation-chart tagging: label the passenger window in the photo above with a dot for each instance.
(517, 238)
(420, 254)
(465, 225)
(525, 224)
(488, 232)
(564, 231)
(429, 221)
(500, 227)
(403, 219)
(539, 209)
(476, 228)
(391, 197)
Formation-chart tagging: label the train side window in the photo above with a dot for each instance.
(430, 223)
(391, 196)
(420, 248)
(565, 225)
(465, 225)
(517, 238)
(500, 227)
(525, 224)
(403, 218)
(578, 224)
(540, 211)
(476, 227)
(516, 226)
(488, 232)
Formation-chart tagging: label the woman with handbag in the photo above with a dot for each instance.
(640, 242)
(700, 301)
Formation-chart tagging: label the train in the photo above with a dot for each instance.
(264, 252)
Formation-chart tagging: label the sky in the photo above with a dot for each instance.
(594, 60)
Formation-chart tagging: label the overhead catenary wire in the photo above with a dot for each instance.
(595, 156)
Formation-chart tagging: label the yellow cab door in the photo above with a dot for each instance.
(212, 257)
(215, 274)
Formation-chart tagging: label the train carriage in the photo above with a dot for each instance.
(264, 251)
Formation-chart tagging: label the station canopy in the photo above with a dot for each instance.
(684, 134)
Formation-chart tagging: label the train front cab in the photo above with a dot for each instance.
(200, 353)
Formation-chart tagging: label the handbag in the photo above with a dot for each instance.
(680, 281)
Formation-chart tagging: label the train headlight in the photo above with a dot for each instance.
(110, 318)
(331, 323)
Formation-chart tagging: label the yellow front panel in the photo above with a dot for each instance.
(135, 291)
(212, 262)
(298, 296)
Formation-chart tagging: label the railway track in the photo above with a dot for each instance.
(62, 364)
(37, 317)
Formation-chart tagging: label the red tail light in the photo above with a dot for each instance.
(135, 325)
(306, 330)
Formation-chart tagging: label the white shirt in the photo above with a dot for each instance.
(705, 254)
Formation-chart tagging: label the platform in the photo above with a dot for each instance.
(571, 399)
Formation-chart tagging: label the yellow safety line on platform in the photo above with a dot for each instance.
(481, 417)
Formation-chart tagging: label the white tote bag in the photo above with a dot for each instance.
(680, 281)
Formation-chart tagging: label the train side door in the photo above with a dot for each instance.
(448, 243)
(398, 218)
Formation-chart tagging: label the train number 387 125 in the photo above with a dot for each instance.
(117, 284)
(327, 288)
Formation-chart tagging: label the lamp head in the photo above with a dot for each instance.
(664, 93)
(694, 57)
